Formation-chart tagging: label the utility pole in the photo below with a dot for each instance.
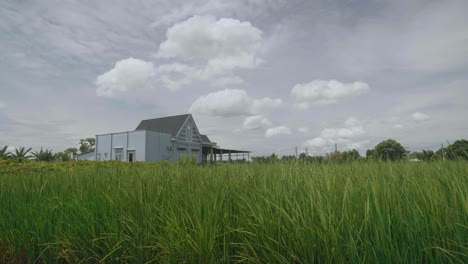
(307, 151)
(336, 147)
(296, 152)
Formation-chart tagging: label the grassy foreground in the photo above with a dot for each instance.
(254, 213)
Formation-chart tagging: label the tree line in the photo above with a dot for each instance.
(386, 150)
(22, 154)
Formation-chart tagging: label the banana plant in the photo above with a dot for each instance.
(21, 153)
(4, 153)
(43, 155)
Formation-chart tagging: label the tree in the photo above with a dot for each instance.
(4, 153)
(350, 155)
(370, 154)
(389, 149)
(21, 154)
(67, 155)
(43, 155)
(87, 145)
(457, 150)
(424, 155)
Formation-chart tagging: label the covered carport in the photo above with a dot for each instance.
(216, 154)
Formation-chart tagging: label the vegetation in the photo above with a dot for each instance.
(4, 154)
(87, 145)
(21, 154)
(280, 212)
(389, 149)
(43, 155)
(458, 150)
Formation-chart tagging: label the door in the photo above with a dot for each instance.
(131, 156)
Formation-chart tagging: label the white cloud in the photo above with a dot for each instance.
(276, 131)
(128, 74)
(266, 103)
(303, 129)
(214, 48)
(342, 136)
(317, 142)
(256, 122)
(352, 121)
(420, 117)
(204, 37)
(320, 91)
(2, 105)
(231, 102)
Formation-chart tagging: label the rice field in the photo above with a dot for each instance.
(359, 212)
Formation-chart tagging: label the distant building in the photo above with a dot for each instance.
(166, 138)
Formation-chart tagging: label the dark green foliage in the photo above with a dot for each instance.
(4, 154)
(288, 158)
(266, 159)
(424, 155)
(87, 145)
(389, 149)
(43, 155)
(457, 150)
(68, 155)
(350, 155)
(21, 154)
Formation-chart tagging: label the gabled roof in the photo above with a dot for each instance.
(169, 124)
(205, 139)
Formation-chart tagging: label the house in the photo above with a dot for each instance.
(166, 138)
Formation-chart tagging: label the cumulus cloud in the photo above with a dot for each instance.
(320, 91)
(344, 136)
(205, 37)
(201, 48)
(256, 122)
(420, 117)
(231, 102)
(128, 74)
(276, 131)
(214, 47)
(303, 129)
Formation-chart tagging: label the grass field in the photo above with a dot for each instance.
(361, 212)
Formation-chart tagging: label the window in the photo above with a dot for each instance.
(118, 154)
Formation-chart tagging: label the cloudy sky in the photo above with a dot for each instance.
(262, 75)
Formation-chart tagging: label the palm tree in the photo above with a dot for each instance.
(21, 153)
(4, 154)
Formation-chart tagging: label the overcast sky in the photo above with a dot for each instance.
(261, 75)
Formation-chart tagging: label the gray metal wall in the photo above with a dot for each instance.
(148, 146)
(158, 146)
(132, 140)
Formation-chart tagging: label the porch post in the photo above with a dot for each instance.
(211, 155)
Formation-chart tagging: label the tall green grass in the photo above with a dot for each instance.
(252, 213)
